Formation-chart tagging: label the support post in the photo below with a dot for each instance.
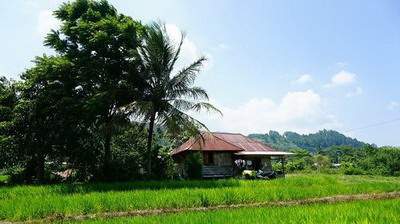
(283, 165)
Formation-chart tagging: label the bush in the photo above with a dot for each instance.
(164, 166)
(321, 162)
(350, 169)
(295, 165)
(276, 166)
(193, 165)
(129, 154)
(16, 174)
(249, 174)
(353, 171)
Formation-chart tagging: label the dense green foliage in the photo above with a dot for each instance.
(347, 160)
(332, 152)
(3, 179)
(373, 212)
(8, 101)
(366, 160)
(27, 202)
(89, 111)
(193, 164)
(311, 142)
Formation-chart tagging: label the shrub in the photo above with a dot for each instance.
(128, 153)
(193, 165)
(321, 162)
(16, 174)
(249, 174)
(295, 165)
(353, 171)
(350, 169)
(164, 166)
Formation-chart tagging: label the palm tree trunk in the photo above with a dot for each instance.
(149, 142)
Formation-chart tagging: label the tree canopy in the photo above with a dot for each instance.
(110, 78)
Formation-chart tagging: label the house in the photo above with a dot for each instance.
(225, 154)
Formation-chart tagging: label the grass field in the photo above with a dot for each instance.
(33, 202)
(386, 211)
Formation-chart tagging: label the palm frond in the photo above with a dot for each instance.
(186, 105)
(183, 105)
(205, 106)
(187, 75)
(170, 97)
(177, 52)
(177, 121)
(195, 93)
(157, 53)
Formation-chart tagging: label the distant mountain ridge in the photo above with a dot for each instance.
(311, 142)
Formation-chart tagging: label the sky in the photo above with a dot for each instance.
(272, 65)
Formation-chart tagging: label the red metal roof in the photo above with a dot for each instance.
(218, 141)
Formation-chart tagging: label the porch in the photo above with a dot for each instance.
(224, 165)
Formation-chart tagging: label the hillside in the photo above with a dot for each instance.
(311, 142)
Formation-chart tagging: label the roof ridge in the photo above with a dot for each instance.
(230, 143)
(221, 132)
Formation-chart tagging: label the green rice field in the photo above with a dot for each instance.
(34, 202)
(385, 212)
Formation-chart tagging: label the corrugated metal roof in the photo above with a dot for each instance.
(219, 141)
(243, 142)
(209, 142)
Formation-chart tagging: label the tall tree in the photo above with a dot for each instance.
(8, 101)
(101, 44)
(168, 96)
(46, 115)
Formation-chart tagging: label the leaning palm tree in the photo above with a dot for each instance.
(168, 95)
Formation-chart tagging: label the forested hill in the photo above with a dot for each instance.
(311, 142)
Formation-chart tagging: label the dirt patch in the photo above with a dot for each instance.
(149, 212)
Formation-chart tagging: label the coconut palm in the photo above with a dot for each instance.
(169, 95)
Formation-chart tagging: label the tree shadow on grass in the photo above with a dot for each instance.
(84, 188)
(146, 185)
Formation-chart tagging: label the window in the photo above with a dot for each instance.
(208, 158)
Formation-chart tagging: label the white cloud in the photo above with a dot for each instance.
(356, 92)
(45, 22)
(303, 79)
(342, 78)
(301, 111)
(189, 50)
(393, 105)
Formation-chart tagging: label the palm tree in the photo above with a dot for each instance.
(168, 95)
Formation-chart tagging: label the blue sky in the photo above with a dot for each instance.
(281, 65)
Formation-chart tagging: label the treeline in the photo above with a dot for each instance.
(104, 106)
(332, 152)
(311, 142)
(348, 160)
